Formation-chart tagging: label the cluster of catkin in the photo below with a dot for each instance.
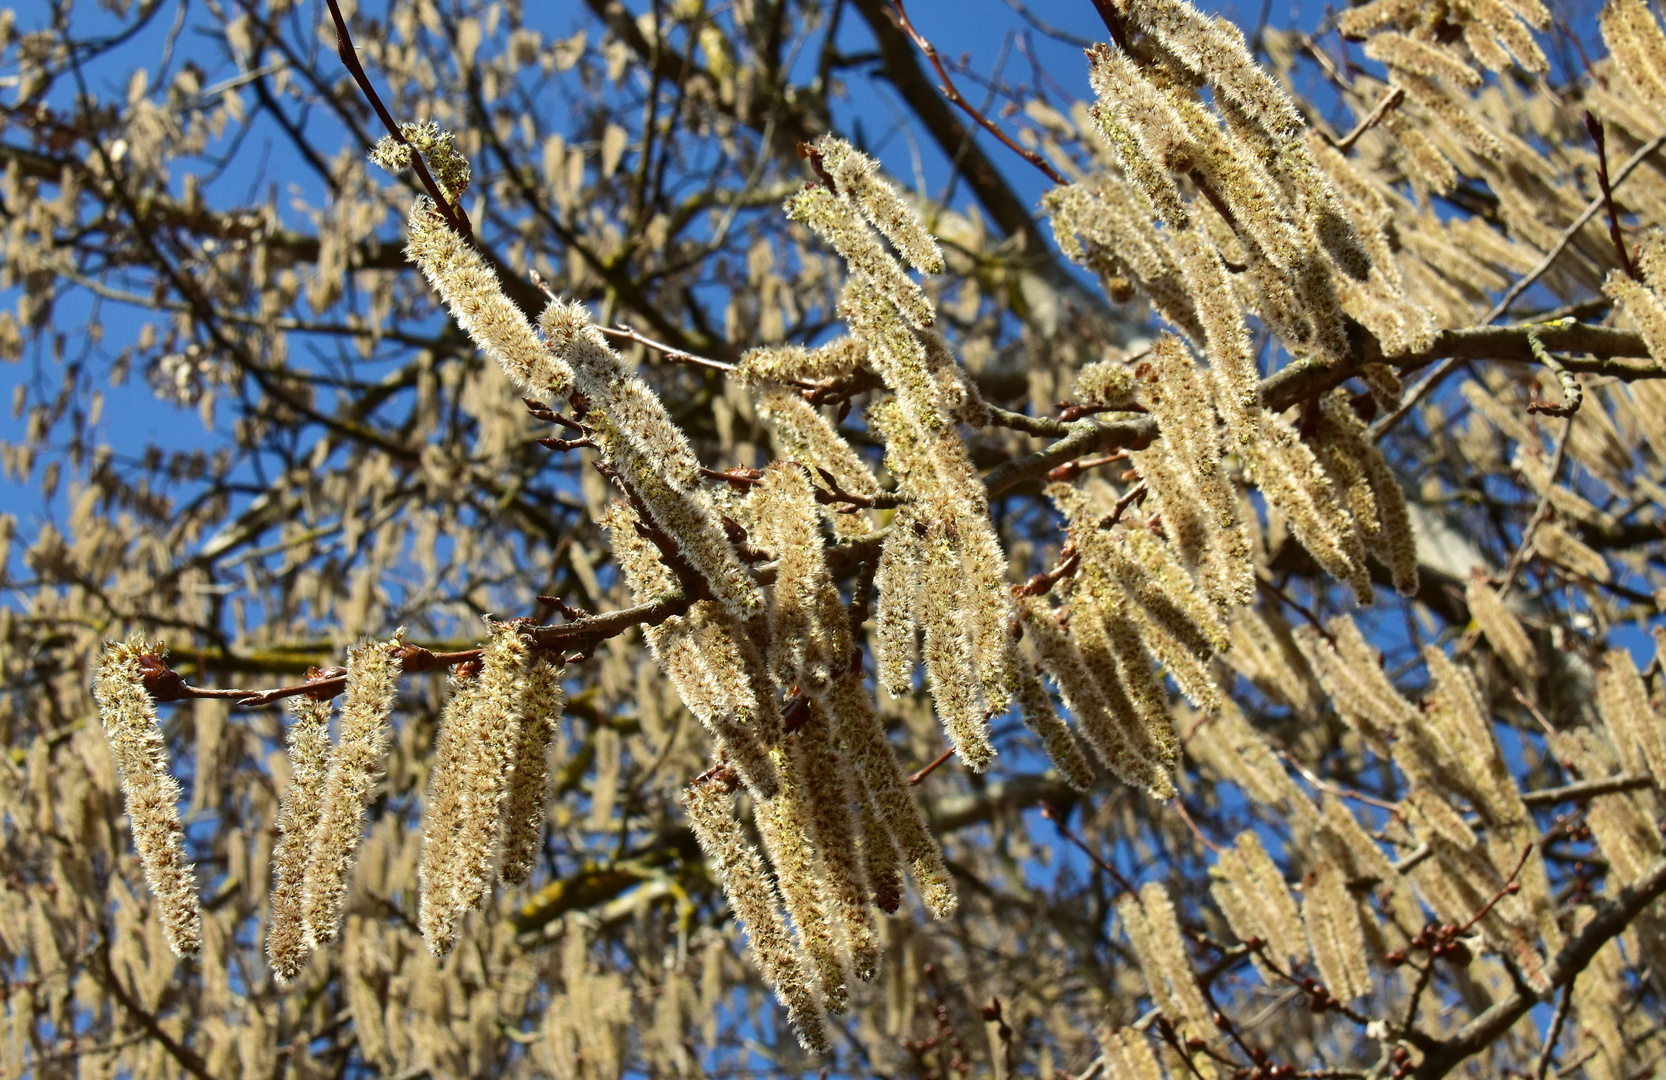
(826, 793)
(486, 799)
(1220, 206)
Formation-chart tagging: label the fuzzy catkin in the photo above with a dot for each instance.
(287, 945)
(1154, 932)
(784, 823)
(473, 295)
(1036, 708)
(896, 584)
(523, 814)
(442, 822)
(1503, 631)
(1638, 731)
(828, 782)
(753, 899)
(372, 680)
(857, 176)
(859, 728)
(135, 736)
(1336, 936)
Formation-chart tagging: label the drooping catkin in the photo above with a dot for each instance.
(630, 426)
(361, 751)
(1102, 716)
(1455, 710)
(1638, 732)
(1214, 49)
(287, 945)
(1036, 709)
(1335, 935)
(1248, 866)
(442, 819)
(135, 736)
(881, 864)
(830, 784)
(809, 638)
(1127, 1055)
(896, 585)
(948, 653)
(488, 735)
(784, 824)
(524, 810)
(1154, 932)
(857, 175)
(1503, 631)
(1351, 673)
(474, 297)
(802, 434)
(858, 727)
(1289, 476)
(1341, 429)
(753, 899)
(1557, 545)
(1643, 307)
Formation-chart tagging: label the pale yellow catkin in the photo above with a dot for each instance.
(1392, 538)
(473, 295)
(1153, 930)
(524, 811)
(1503, 631)
(784, 824)
(355, 769)
(442, 819)
(753, 899)
(1638, 732)
(896, 585)
(1036, 709)
(837, 220)
(287, 945)
(857, 175)
(135, 736)
(1099, 720)
(1335, 935)
(859, 728)
(830, 785)
(1127, 1055)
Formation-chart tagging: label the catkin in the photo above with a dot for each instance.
(523, 814)
(896, 584)
(1336, 936)
(356, 767)
(475, 299)
(309, 747)
(1503, 631)
(753, 899)
(1036, 709)
(828, 781)
(1638, 731)
(1097, 718)
(886, 787)
(857, 175)
(135, 736)
(784, 823)
(443, 820)
(1154, 932)
(837, 219)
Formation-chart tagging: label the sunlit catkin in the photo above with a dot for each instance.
(1335, 935)
(356, 767)
(523, 813)
(784, 823)
(1638, 731)
(135, 736)
(753, 899)
(831, 786)
(859, 728)
(473, 295)
(1154, 932)
(1503, 631)
(287, 945)
(857, 175)
(1036, 709)
(442, 822)
(837, 220)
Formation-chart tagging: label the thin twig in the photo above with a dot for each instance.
(1598, 136)
(900, 17)
(455, 216)
(1540, 512)
(1557, 1022)
(1057, 817)
(915, 778)
(1386, 104)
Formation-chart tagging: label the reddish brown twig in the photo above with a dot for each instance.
(1041, 584)
(931, 768)
(900, 17)
(455, 216)
(1600, 137)
(1386, 104)
(1070, 470)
